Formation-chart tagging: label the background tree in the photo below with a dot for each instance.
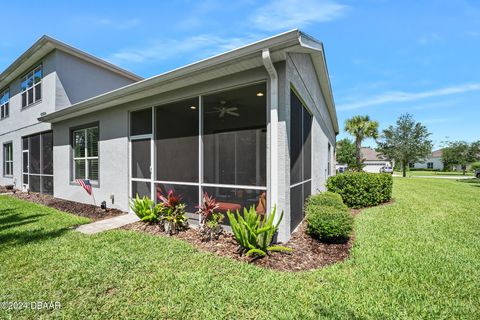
(405, 142)
(361, 127)
(460, 153)
(346, 152)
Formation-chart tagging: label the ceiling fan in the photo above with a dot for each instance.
(223, 109)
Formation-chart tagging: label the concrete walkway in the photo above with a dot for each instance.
(107, 224)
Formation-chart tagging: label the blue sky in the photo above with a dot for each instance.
(385, 58)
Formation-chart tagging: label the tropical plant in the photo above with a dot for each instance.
(210, 221)
(407, 142)
(361, 127)
(173, 212)
(254, 234)
(145, 209)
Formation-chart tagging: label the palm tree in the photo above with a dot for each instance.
(361, 127)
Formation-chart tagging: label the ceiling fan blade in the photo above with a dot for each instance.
(236, 114)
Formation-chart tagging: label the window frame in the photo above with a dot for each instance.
(73, 178)
(429, 165)
(27, 88)
(5, 107)
(9, 161)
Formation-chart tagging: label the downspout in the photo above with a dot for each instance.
(267, 62)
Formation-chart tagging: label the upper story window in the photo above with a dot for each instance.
(32, 86)
(4, 104)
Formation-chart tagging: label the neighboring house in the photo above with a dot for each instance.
(48, 77)
(254, 125)
(434, 162)
(373, 161)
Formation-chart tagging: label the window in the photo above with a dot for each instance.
(411, 165)
(31, 87)
(4, 104)
(300, 158)
(85, 154)
(37, 157)
(8, 159)
(429, 165)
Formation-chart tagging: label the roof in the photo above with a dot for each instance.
(369, 154)
(243, 58)
(437, 153)
(44, 46)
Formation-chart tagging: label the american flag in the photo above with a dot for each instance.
(85, 185)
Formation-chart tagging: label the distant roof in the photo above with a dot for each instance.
(240, 59)
(369, 154)
(437, 153)
(44, 46)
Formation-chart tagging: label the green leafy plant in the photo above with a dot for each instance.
(172, 212)
(145, 209)
(362, 189)
(210, 221)
(326, 198)
(328, 219)
(253, 233)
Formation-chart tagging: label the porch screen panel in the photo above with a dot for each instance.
(176, 141)
(34, 149)
(47, 153)
(37, 162)
(300, 158)
(141, 159)
(234, 140)
(141, 188)
(141, 122)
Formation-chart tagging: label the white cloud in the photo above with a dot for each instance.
(201, 46)
(429, 38)
(289, 14)
(438, 120)
(394, 97)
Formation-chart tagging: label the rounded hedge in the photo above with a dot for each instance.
(326, 199)
(329, 223)
(362, 189)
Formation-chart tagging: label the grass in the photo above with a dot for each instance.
(416, 258)
(434, 173)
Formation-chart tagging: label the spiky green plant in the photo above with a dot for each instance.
(145, 209)
(254, 234)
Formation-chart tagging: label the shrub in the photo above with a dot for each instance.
(475, 166)
(210, 221)
(145, 209)
(254, 233)
(362, 189)
(326, 199)
(172, 212)
(329, 223)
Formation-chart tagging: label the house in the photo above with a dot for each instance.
(48, 77)
(373, 161)
(253, 125)
(434, 162)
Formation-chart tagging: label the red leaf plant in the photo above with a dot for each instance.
(208, 207)
(171, 200)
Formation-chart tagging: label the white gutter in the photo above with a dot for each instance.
(267, 62)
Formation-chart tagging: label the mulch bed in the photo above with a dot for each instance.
(76, 208)
(308, 253)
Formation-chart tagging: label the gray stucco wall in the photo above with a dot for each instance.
(23, 122)
(78, 80)
(114, 143)
(301, 74)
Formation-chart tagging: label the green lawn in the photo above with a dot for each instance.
(434, 173)
(417, 258)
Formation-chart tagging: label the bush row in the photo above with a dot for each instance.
(362, 189)
(328, 218)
